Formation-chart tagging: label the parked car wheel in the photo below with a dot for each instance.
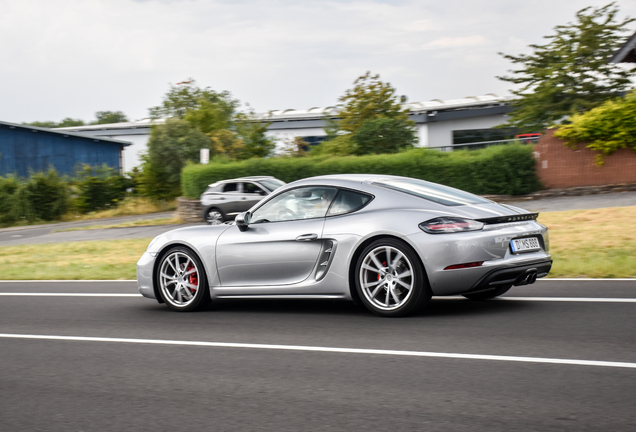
(485, 295)
(390, 279)
(214, 216)
(183, 285)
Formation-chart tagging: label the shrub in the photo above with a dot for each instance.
(41, 197)
(48, 195)
(99, 188)
(508, 169)
(606, 128)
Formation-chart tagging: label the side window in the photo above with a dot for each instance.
(251, 188)
(348, 201)
(301, 203)
(230, 187)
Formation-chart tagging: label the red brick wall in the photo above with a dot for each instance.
(559, 166)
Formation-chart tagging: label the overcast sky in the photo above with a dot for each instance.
(71, 58)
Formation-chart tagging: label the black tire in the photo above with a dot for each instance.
(181, 279)
(214, 216)
(485, 295)
(390, 279)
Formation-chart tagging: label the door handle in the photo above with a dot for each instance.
(307, 237)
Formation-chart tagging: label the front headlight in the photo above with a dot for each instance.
(447, 224)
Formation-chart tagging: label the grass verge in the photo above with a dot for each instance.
(584, 243)
(108, 259)
(599, 243)
(130, 206)
(138, 223)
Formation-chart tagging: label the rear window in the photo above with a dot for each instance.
(431, 191)
(272, 184)
(348, 201)
(230, 187)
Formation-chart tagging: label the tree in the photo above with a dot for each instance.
(66, 122)
(570, 74)
(384, 135)
(109, 117)
(170, 147)
(70, 122)
(187, 96)
(369, 99)
(370, 117)
(252, 133)
(606, 128)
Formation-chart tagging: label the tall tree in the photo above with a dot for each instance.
(369, 114)
(109, 117)
(570, 74)
(187, 96)
(369, 99)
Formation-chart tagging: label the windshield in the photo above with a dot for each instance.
(272, 184)
(432, 191)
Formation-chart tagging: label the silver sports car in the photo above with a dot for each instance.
(387, 242)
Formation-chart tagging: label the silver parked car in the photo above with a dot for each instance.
(387, 242)
(223, 200)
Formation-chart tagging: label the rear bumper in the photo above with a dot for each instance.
(519, 275)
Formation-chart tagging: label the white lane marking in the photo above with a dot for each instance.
(67, 281)
(134, 280)
(19, 294)
(330, 350)
(530, 299)
(551, 299)
(586, 279)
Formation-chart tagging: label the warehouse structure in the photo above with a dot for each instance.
(25, 149)
(440, 124)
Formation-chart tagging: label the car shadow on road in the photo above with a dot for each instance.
(438, 307)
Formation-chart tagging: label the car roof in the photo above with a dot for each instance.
(238, 179)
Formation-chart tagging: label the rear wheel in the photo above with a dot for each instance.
(183, 285)
(214, 216)
(390, 279)
(485, 295)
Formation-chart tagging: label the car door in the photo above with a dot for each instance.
(252, 194)
(281, 245)
(230, 198)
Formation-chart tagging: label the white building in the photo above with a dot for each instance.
(439, 124)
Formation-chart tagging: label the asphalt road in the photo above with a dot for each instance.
(557, 355)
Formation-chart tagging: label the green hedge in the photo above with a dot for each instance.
(507, 169)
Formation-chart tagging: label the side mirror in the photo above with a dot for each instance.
(243, 220)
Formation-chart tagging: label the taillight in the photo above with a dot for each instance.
(443, 225)
(465, 265)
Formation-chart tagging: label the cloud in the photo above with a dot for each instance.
(71, 58)
(455, 42)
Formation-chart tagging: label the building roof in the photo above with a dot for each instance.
(317, 113)
(626, 53)
(64, 133)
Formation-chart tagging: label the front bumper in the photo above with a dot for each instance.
(145, 267)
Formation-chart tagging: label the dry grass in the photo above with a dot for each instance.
(138, 223)
(593, 243)
(109, 259)
(130, 206)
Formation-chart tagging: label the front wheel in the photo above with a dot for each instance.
(214, 216)
(183, 285)
(390, 279)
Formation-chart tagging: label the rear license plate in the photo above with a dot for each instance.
(525, 244)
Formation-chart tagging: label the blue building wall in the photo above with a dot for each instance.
(24, 150)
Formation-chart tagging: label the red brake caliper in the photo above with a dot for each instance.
(384, 264)
(193, 278)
